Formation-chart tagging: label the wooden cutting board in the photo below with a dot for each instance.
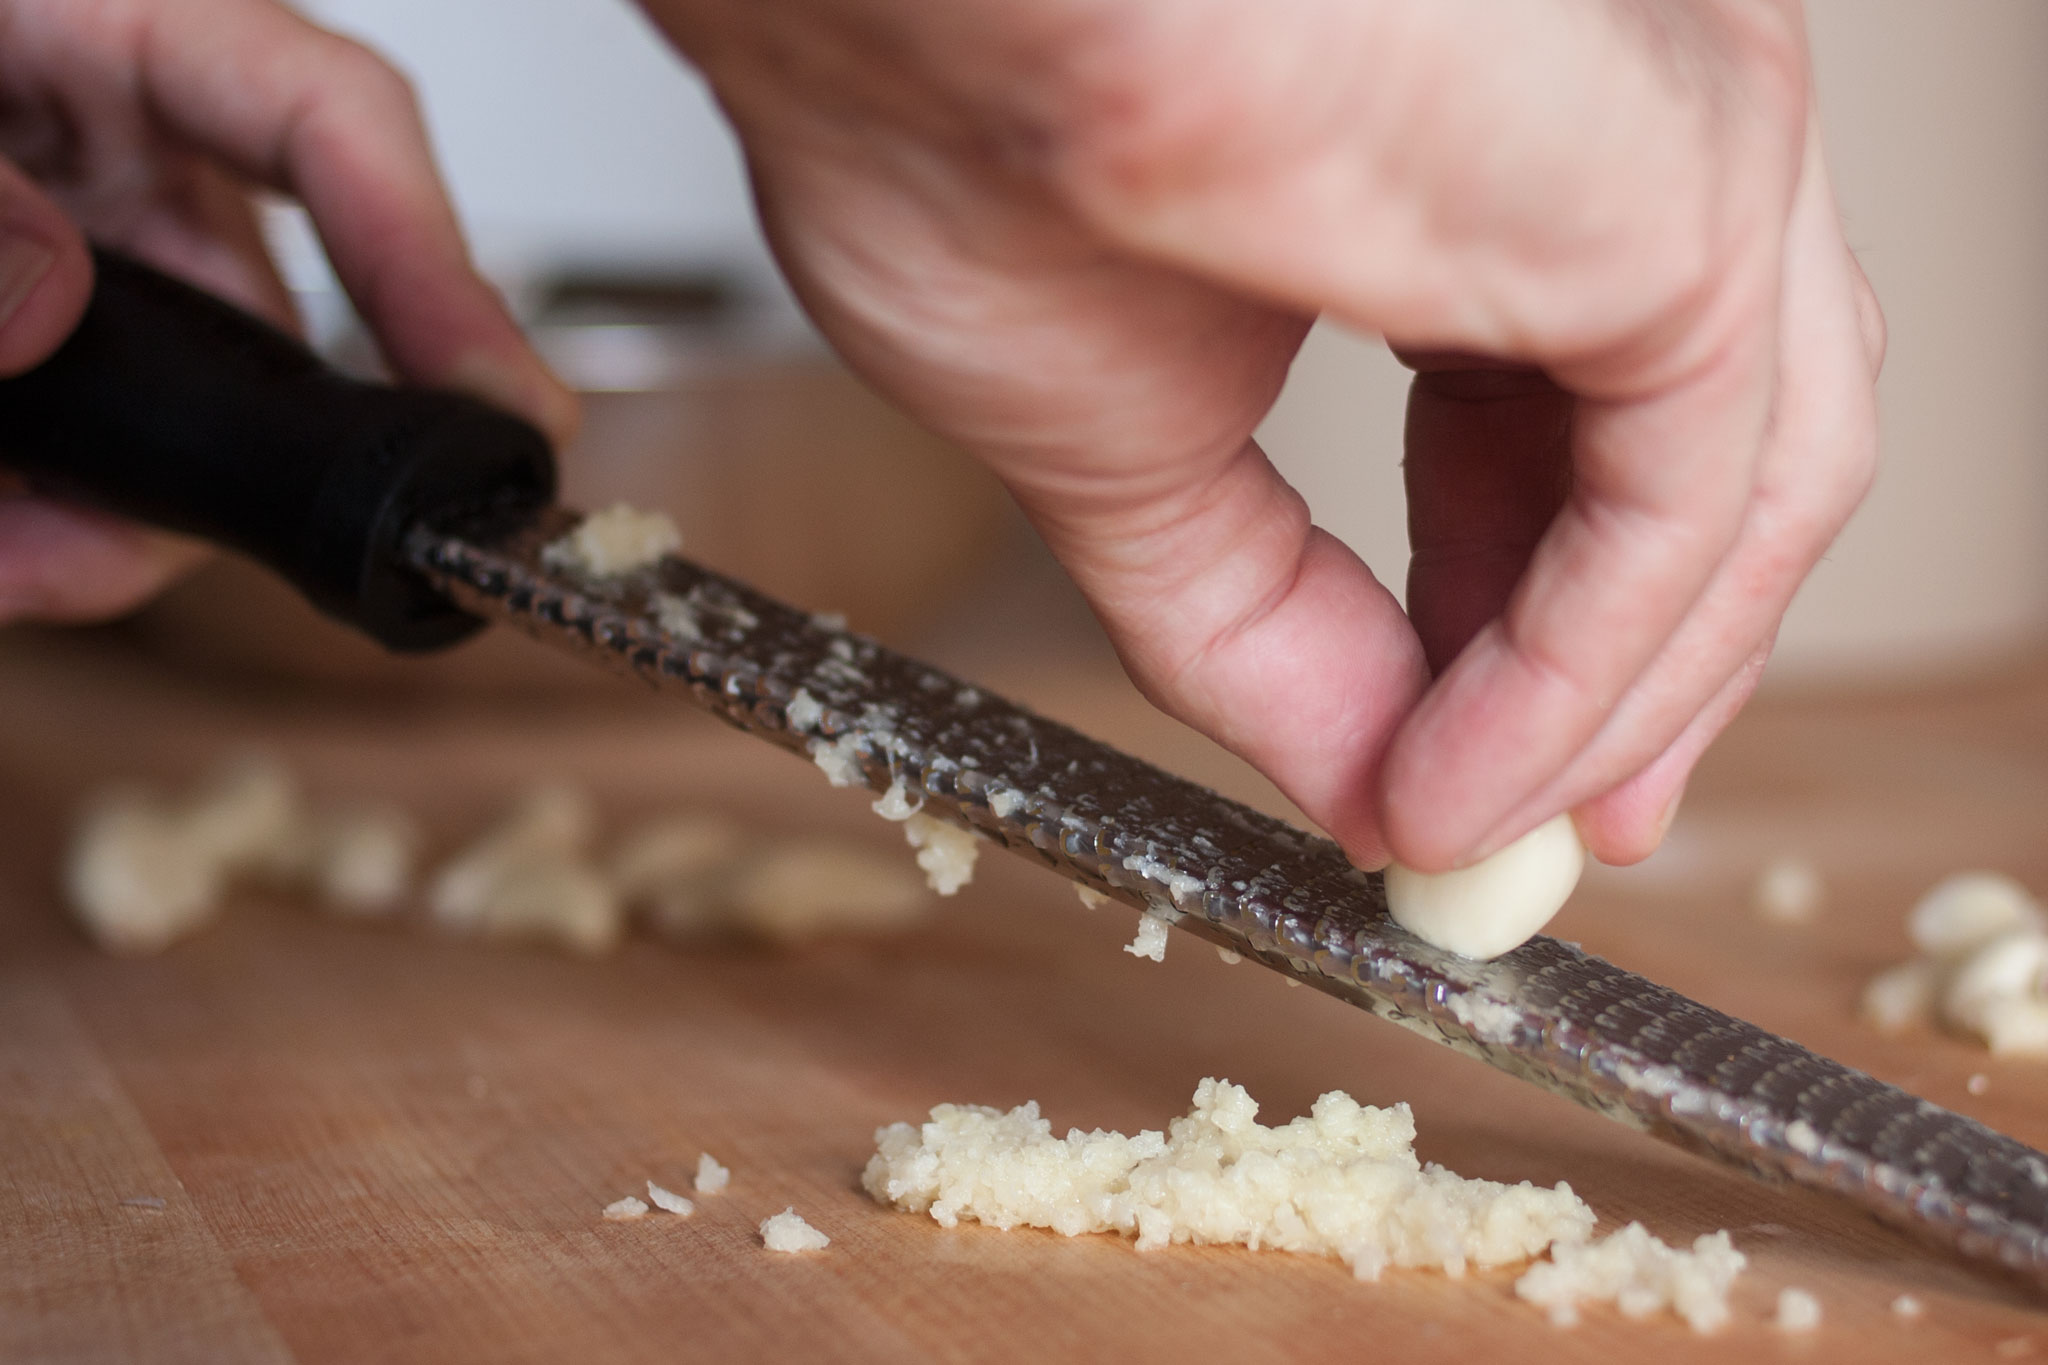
(292, 1138)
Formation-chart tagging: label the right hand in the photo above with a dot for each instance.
(1085, 237)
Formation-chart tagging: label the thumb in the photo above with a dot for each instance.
(45, 273)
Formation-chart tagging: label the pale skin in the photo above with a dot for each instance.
(1084, 238)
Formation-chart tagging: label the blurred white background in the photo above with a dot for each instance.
(573, 137)
(568, 129)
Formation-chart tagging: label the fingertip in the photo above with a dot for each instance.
(1369, 853)
(1424, 844)
(1440, 803)
(443, 325)
(1630, 823)
(521, 385)
(558, 410)
(1236, 615)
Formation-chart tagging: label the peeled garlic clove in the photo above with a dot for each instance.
(136, 881)
(2012, 966)
(363, 859)
(1496, 904)
(797, 890)
(2016, 1026)
(683, 847)
(554, 900)
(1788, 891)
(248, 817)
(1969, 909)
(1900, 997)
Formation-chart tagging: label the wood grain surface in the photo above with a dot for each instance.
(297, 1139)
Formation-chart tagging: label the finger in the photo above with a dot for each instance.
(1116, 400)
(60, 562)
(45, 273)
(1819, 457)
(203, 227)
(1660, 484)
(1626, 823)
(1236, 615)
(326, 120)
(1487, 465)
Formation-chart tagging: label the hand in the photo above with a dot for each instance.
(1085, 237)
(145, 124)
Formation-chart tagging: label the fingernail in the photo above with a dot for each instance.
(1670, 814)
(1493, 843)
(1505, 833)
(24, 261)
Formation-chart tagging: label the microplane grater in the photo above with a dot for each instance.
(1547, 1012)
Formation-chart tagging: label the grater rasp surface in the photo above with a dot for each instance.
(1547, 1012)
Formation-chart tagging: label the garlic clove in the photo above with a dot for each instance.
(1496, 904)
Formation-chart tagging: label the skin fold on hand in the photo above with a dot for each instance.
(1084, 238)
(146, 125)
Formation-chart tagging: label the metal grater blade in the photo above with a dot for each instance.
(1547, 1012)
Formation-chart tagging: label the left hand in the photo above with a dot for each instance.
(146, 125)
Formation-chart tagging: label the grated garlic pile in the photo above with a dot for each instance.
(362, 859)
(686, 874)
(1798, 1311)
(672, 869)
(136, 879)
(690, 875)
(1983, 968)
(613, 542)
(1639, 1275)
(1788, 890)
(144, 870)
(1343, 1181)
(531, 877)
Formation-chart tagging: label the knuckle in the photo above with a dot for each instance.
(362, 72)
(1796, 525)
(1544, 658)
(1132, 131)
(1775, 61)
(1748, 58)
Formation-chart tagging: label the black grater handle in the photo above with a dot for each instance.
(174, 408)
